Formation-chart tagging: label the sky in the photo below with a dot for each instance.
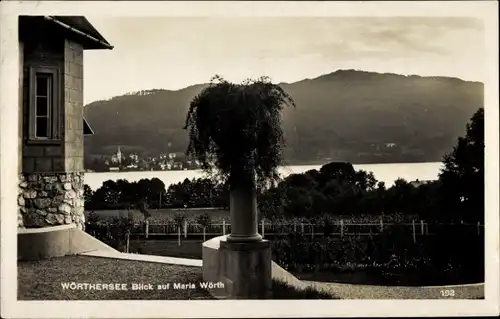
(176, 52)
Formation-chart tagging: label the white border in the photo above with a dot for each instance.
(10, 307)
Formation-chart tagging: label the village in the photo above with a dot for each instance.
(123, 161)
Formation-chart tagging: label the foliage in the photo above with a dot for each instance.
(204, 220)
(92, 217)
(450, 249)
(179, 219)
(198, 192)
(462, 178)
(112, 232)
(236, 129)
(142, 195)
(88, 194)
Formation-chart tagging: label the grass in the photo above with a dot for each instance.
(171, 248)
(42, 280)
(282, 290)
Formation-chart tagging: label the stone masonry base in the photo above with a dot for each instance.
(246, 269)
(50, 199)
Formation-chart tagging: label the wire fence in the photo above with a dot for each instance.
(340, 228)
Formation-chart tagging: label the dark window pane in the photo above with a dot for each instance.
(42, 107)
(42, 84)
(41, 127)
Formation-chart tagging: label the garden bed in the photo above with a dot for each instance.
(361, 275)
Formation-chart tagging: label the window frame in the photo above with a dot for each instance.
(54, 106)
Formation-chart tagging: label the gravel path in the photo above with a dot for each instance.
(347, 291)
(43, 280)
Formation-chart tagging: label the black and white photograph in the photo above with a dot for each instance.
(250, 158)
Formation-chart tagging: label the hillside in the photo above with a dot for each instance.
(348, 115)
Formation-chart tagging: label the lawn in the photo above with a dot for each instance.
(189, 248)
(42, 280)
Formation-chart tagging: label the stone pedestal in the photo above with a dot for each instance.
(245, 269)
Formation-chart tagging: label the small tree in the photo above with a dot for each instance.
(88, 193)
(204, 220)
(179, 220)
(235, 131)
(143, 208)
(119, 229)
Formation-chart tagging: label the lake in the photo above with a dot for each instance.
(386, 173)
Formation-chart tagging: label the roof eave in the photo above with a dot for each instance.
(99, 44)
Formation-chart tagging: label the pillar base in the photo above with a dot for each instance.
(244, 239)
(246, 269)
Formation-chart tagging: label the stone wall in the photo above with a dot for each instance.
(49, 199)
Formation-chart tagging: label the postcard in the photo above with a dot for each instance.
(249, 159)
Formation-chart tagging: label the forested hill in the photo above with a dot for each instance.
(347, 115)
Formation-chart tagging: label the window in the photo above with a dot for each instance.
(44, 105)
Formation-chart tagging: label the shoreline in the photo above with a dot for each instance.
(383, 172)
(281, 166)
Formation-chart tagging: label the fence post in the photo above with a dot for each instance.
(479, 228)
(413, 226)
(312, 231)
(147, 229)
(422, 227)
(179, 235)
(204, 233)
(294, 227)
(185, 229)
(128, 242)
(302, 228)
(224, 227)
(262, 227)
(381, 224)
(341, 228)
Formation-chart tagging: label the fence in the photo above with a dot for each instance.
(340, 228)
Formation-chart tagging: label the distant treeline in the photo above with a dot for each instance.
(336, 189)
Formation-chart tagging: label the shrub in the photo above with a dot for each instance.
(92, 217)
(204, 219)
(447, 250)
(112, 231)
(179, 219)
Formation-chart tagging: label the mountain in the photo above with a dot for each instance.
(347, 115)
